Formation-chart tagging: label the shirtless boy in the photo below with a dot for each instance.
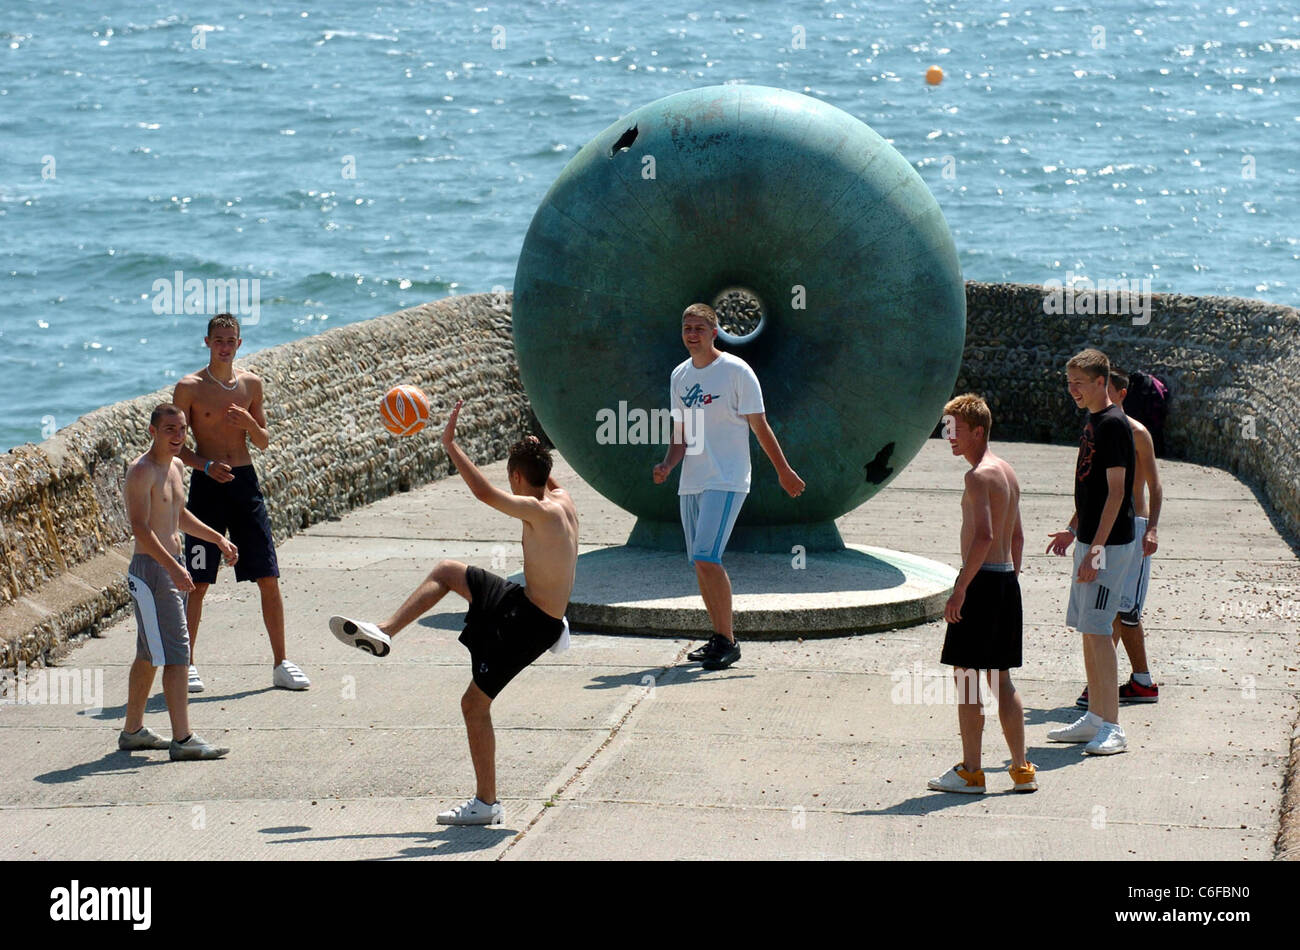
(224, 406)
(1148, 497)
(984, 611)
(507, 626)
(159, 583)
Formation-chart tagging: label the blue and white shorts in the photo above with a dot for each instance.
(1093, 606)
(707, 520)
(162, 636)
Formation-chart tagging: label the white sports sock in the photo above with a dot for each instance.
(1143, 678)
(1093, 718)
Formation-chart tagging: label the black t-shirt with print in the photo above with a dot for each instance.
(1107, 442)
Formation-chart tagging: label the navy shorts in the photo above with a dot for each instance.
(989, 633)
(235, 508)
(504, 630)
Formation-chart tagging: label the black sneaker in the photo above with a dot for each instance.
(723, 654)
(701, 652)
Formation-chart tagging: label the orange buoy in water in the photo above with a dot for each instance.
(934, 75)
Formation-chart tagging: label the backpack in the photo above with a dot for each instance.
(1147, 401)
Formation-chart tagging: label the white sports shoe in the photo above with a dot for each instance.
(1110, 740)
(288, 676)
(1081, 730)
(957, 779)
(361, 634)
(473, 812)
(196, 684)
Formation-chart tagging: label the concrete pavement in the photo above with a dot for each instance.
(619, 748)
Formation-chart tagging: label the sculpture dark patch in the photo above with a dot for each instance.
(878, 468)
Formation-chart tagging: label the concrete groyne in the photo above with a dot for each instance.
(1233, 365)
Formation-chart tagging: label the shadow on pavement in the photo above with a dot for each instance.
(454, 622)
(1047, 758)
(112, 763)
(453, 840)
(158, 703)
(672, 676)
(1062, 715)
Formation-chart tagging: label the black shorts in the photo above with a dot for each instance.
(988, 635)
(238, 509)
(504, 630)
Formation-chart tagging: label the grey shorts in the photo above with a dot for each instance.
(1093, 606)
(162, 634)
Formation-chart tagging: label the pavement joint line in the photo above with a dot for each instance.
(590, 758)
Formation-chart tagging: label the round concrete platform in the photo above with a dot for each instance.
(775, 596)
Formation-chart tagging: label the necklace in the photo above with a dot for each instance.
(234, 383)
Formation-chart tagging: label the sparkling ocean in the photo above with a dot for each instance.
(355, 160)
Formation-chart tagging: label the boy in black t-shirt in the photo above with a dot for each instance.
(1103, 524)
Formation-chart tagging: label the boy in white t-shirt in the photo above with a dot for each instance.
(716, 401)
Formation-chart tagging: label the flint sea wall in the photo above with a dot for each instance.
(64, 537)
(1233, 366)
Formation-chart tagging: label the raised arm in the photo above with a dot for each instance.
(516, 506)
(792, 483)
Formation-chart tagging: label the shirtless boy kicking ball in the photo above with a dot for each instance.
(159, 583)
(984, 612)
(507, 626)
(224, 406)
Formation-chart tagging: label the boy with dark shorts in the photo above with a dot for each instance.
(1103, 525)
(984, 612)
(507, 626)
(158, 582)
(224, 406)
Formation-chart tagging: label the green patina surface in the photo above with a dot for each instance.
(776, 192)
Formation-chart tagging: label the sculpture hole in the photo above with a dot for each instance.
(741, 314)
(624, 141)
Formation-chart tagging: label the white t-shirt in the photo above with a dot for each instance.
(712, 403)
